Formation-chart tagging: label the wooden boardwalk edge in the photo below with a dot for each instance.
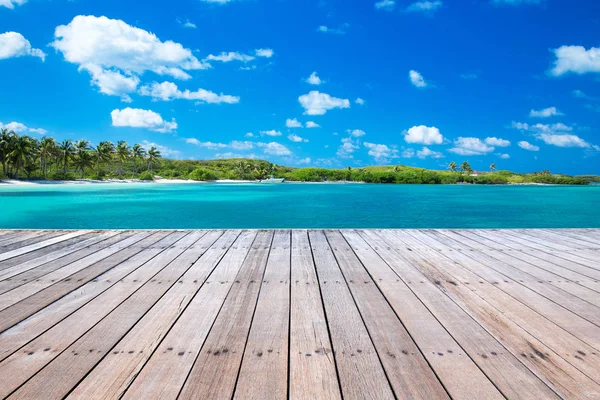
(300, 314)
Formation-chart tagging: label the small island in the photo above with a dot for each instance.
(26, 158)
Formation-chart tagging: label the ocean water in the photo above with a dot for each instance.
(171, 206)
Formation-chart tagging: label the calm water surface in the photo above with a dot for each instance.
(146, 206)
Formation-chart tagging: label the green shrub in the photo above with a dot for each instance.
(202, 174)
(146, 176)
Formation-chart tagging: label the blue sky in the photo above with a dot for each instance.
(312, 83)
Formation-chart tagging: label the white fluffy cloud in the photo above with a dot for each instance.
(20, 128)
(557, 134)
(359, 101)
(208, 145)
(356, 132)
(275, 149)
(314, 79)
(164, 150)
(341, 30)
(312, 124)
(230, 154)
(316, 103)
(11, 3)
(504, 156)
(116, 54)
(416, 79)
(425, 6)
(239, 145)
(297, 139)
(266, 53)
(387, 5)
(138, 118)
(542, 128)
(347, 148)
(293, 123)
(229, 57)
(576, 60)
(497, 142)
(470, 146)
(112, 83)
(426, 152)
(563, 140)
(545, 113)
(381, 152)
(272, 132)
(423, 135)
(528, 146)
(13, 44)
(168, 91)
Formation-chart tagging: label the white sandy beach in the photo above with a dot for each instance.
(12, 182)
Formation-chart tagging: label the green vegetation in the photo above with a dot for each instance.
(26, 157)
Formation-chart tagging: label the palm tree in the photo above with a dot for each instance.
(123, 151)
(465, 167)
(452, 166)
(137, 151)
(242, 168)
(66, 150)
(83, 160)
(46, 150)
(22, 150)
(104, 152)
(493, 167)
(153, 156)
(6, 141)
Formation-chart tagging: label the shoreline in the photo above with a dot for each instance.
(13, 182)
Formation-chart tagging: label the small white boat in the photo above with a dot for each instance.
(272, 180)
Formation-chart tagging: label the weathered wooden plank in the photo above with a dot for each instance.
(49, 239)
(112, 376)
(20, 265)
(568, 275)
(360, 370)
(28, 289)
(43, 298)
(525, 273)
(538, 245)
(41, 253)
(519, 327)
(461, 377)
(175, 356)
(216, 368)
(579, 239)
(505, 275)
(26, 238)
(312, 365)
(507, 372)
(558, 242)
(533, 256)
(26, 272)
(264, 370)
(407, 370)
(72, 364)
(588, 236)
(96, 298)
(31, 358)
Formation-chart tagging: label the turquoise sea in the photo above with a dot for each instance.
(219, 205)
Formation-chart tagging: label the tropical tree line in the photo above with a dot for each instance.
(26, 156)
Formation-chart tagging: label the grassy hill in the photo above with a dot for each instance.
(258, 169)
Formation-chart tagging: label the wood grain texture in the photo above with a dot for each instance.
(298, 314)
(312, 364)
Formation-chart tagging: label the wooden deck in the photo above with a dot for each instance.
(358, 314)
